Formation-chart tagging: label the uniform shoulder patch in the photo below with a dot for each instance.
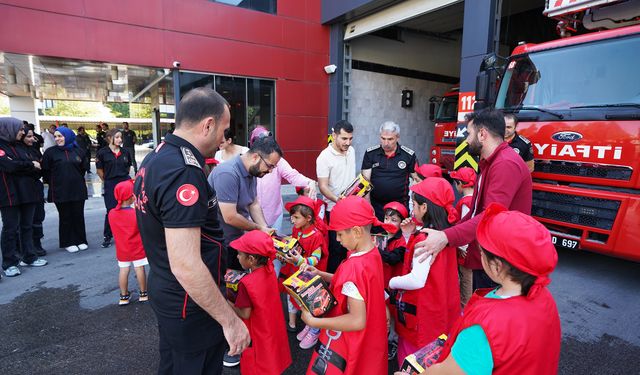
(189, 157)
(372, 148)
(524, 139)
(407, 150)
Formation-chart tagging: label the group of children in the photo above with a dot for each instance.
(386, 299)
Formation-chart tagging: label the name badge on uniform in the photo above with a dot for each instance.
(375, 165)
(402, 164)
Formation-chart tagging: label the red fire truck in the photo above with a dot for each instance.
(578, 101)
(443, 110)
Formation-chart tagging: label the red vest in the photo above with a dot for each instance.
(395, 270)
(430, 311)
(524, 334)
(365, 351)
(126, 235)
(467, 200)
(269, 351)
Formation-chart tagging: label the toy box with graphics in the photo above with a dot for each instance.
(232, 279)
(359, 187)
(426, 356)
(286, 244)
(311, 292)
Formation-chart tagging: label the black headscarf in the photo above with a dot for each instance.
(9, 128)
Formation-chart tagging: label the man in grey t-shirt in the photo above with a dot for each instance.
(235, 185)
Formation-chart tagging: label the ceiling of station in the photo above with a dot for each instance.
(64, 79)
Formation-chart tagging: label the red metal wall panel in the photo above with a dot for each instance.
(291, 48)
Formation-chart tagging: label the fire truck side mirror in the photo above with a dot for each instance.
(432, 111)
(482, 86)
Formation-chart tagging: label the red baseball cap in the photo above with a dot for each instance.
(303, 200)
(354, 211)
(528, 248)
(402, 210)
(429, 170)
(438, 191)
(467, 175)
(255, 242)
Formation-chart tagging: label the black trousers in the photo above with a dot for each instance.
(337, 252)
(482, 280)
(71, 223)
(110, 202)
(38, 219)
(16, 240)
(188, 347)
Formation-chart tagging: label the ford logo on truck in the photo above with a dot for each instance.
(567, 136)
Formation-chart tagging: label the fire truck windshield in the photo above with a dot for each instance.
(447, 110)
(597, 74)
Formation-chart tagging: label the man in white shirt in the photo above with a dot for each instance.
(49, 140)
(336, 169)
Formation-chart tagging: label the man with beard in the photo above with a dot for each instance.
(388, 166)
(235, 182)
(504, 178)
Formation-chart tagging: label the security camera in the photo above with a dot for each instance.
(176, 64)
(330, 69)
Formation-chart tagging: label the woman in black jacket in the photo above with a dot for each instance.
(113, 164)
(63, 167)
(15, 207)
(32, 152)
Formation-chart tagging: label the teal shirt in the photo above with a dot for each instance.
(471, 349)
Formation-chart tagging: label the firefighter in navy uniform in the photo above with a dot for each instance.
(177, 213)
(388, 166)
(518, 143)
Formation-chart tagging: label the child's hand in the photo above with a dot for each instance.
(308, 268)
(408, 226)
(308, 318)
(293, 257)
(281, 258)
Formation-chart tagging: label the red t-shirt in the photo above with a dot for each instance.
(126, 235)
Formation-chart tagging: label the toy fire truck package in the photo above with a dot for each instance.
(359, 187)
(426, 356)
(232, 279)
(310, 292)
(286, 244)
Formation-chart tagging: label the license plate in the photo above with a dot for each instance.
(565, 242)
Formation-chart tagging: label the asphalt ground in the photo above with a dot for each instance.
(63, 318)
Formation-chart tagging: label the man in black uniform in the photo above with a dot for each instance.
(129, 142)
(177, 213)
(101, 135)
(518, 143)
(388, 167)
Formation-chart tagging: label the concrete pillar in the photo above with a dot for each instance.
(24, 108)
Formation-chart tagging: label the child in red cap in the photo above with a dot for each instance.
(427, 301)
(428, 170)
(310, 232)
(515, 328)
(392, 258)
(353, 339)
(258, 304)
(465, 180)
(129, 249)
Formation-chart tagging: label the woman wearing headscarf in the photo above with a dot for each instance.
(29, 149)
(17, 216)
(113, 164)
(63, 168)
(270, 185)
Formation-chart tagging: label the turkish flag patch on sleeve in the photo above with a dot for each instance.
(187, 195)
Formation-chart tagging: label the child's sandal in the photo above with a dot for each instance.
(124, 299)
(144, 296)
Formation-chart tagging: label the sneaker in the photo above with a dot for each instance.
(309, 341)
(393, 350)
(144, 296)
(12, 271)
(72, 249)
(230, 360)
(303, 333)
(124, 299)
(106, 242)
(83, 246)
(36, 263)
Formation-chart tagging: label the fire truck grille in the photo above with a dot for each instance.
(573, 209)
(583, 170)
